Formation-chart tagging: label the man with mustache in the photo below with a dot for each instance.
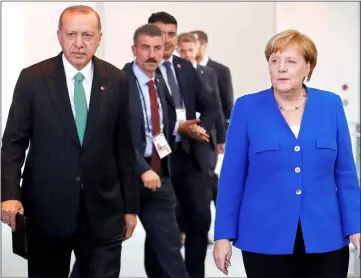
(188, 163)
(79, 189)
(154, 115)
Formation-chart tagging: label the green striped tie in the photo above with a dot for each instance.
(81, 109)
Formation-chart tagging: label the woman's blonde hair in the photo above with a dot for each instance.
(305, 45)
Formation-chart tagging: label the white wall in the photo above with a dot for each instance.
(237, 33)
(335, 29)
(29, 36)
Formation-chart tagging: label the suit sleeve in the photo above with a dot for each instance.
(143, 166)
(233, 175)
(348, 188)
(205, 105)
(220, 123)
(126, 154)
(226, 91)
(16, 139)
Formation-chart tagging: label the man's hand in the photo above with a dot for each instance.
(191, 129)
(130, 224)
(151, 180)
(220, 148)
(9, 209)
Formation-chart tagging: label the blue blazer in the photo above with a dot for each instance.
(270, 179)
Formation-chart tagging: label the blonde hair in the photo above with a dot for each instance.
(305, 45)
(187, 37)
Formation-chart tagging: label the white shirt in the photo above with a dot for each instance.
(204, 61)
(70, 73)
(143, 88)
(295, 130)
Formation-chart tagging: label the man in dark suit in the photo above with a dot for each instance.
(222, 71)
(187, 48)
(153, 113)
(79, 190)
(188, 163)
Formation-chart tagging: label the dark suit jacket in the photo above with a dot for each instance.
(196, 99)
(225, 86)
(138, 128)
(57, 166)
(209, 76)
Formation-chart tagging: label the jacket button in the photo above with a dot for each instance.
(298, 191)
(297, 170)
(297, 148)
(77, 178)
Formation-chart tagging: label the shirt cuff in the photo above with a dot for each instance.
(175, 131)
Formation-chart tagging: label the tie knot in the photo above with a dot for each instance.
(151, 83)
(79, 77)
(167, 64)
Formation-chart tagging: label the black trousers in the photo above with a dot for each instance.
(190, 186)
(300, 264)
(162, 245)
(50, 257)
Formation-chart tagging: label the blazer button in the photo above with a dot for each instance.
(77, 178)
(297, 148)
(297, 170)
(298, 191)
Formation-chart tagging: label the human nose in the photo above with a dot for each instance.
(79, 41)
(282, 66)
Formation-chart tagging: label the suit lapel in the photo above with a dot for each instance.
(58, 91)
(181, 79)
(97, 98)
(135, 100)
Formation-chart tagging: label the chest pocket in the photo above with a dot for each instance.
(265, 146)
(326, 143)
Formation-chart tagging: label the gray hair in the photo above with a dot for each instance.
(147, 29)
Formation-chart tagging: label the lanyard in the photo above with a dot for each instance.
(144, 105)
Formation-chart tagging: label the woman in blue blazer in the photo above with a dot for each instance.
(289, 195)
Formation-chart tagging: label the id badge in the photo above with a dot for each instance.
(181, 114)
(161, 145)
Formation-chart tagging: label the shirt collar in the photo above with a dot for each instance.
(204, 61)
(70, 71)
(140, 75)
(170, 60)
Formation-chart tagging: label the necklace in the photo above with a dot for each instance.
(294, 107)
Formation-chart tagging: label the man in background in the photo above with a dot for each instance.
(154, 117)
(222, 71)
(79, 189)
(187, 48)
(188, 165)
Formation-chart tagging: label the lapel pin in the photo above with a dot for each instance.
(178, 65)
(157, 80)
(102, 88)
(202, 71)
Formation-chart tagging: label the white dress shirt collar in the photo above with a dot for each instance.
(143, 79)
(204, 61)
(170, 60)
(71, 71)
